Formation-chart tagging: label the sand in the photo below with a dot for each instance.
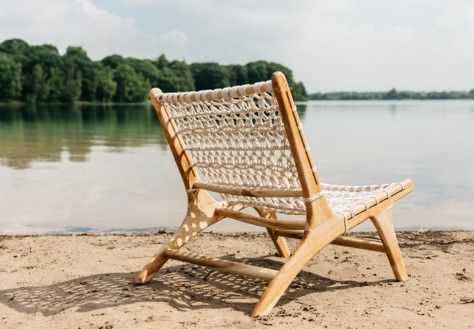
(82, 281)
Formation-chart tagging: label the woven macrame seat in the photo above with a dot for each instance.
(349, 201)
(244, 148)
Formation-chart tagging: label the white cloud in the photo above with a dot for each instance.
(81, 22)
(330, 45)
(342, 45)
(175, 43)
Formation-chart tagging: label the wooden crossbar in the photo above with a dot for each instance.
(290, 234)
(321, 225)
(222, 264)
(359, 243)
(261, 221)
(341, 241)
(252, 192)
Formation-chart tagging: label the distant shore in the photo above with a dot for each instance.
(146, 103)
(82, 280)
(392, 94)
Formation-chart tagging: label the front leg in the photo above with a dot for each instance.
(383, 222)
(313, 241)
(199, 216)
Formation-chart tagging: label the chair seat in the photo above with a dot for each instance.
(245, 145)
(344, 200)
(349, 201)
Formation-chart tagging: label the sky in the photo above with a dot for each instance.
(330, 45)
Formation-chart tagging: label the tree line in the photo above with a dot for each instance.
(39, 73)
(392, 94)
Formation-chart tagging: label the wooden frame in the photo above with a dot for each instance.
(321, 227)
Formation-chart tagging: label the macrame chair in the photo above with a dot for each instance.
(246, 144)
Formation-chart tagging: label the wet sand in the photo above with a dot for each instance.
(83, 281)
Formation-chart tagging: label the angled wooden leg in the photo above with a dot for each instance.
(384, 224)
(278, 241)
(200, 215)
(311, 244)
(153, 265)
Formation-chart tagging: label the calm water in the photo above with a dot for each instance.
(66, 169)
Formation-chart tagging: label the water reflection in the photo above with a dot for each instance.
(99, 167)
(302, 110)
(44, 132)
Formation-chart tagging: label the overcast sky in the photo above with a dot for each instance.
(330, 45)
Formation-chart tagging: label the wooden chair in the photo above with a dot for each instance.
(246, 145)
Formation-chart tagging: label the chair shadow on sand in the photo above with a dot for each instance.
(182, 287)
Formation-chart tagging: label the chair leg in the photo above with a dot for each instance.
(197, 219)
(278, 241)
(154, 264)
(384, 224)
(311, 244)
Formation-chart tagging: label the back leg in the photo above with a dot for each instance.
(384, 224)
(278, 241)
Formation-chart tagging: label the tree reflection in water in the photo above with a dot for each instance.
(42, 133)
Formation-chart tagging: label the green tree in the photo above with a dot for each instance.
(391, 94)
(173, 76)
(72, 84)
(166, 80)
(107, 86)
(183, 76)
(37, 84)
(299, 91)
(113, 61)
(162, 61)
(17, 49)
(46, 76)
(13, 46)
(131, 87)
(55, 84)
(238, 74)
(145, 68)
(262, 70)
(77, 60)
(10, 78)
(210, 75)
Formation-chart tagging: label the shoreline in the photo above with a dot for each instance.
(83, 280)
(146, 102)
(165, 230)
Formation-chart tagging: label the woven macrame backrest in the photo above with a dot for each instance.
(235, 138)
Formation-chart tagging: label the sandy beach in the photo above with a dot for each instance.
(83, 281)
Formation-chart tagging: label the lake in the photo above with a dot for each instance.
(107, 168)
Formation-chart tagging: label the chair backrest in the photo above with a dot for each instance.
(236, 141)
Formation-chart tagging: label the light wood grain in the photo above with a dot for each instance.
(320, 227)
(278, 241)
(262, 221)
(384, 224)
(222, 264)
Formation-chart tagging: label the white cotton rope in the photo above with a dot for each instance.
(235, 138)
(314, 197)
(216, 94)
